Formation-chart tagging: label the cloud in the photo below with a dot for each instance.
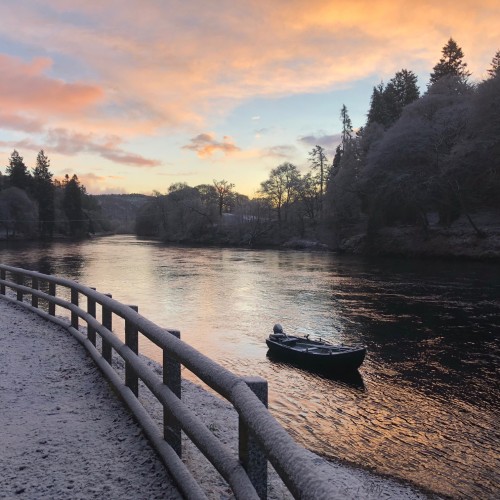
(69, 143)
(282, 151)
(100, 184)
(205, 145)
(24, 86)
(174, 67)
(12, 121)
(328, 141)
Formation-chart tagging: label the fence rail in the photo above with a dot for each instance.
(261, 437)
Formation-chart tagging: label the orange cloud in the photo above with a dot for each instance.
(100, 184)
(205, 145)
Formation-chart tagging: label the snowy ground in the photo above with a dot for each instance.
(64, 434)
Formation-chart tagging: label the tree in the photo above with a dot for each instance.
(387, 104)
(72, 204)
(17, 171)
(282, 188)
(17, 212)
(43, 190)
(401, 90)
(318, 160)
(495, 65)
(224, 191)
(377, 111)
(450, 64)
(346, 127)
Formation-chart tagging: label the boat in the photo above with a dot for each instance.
(314, 354)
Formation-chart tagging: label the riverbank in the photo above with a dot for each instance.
(67, 435)
(459, 241)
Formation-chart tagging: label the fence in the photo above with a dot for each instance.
(261, 438)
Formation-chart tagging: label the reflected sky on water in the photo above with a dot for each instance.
(424, 406)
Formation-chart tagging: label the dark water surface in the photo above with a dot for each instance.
(425, 405)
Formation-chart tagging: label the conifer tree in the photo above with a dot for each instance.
(450, 64)
(318, 160)
(72, 204)
(18, 172)
(346, 127)
(495, 65)
(43, 190)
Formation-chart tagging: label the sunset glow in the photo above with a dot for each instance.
(135, 98)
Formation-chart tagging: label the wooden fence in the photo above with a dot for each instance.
(261, 437)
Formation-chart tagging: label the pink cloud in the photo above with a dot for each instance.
(24, 86)
(205, 145)
(68, 143)
(12, 121)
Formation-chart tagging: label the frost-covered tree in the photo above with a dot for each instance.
(17, 171)
(73, 205)
(347, 131)
(43, 191)
(494, 70)
(450, 64)
(387, 103)
(17, 212)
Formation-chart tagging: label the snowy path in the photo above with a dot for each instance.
(63, 433)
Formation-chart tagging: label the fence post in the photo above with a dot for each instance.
(2, 286)
(52, 291)
(34, 285)
(19, 292)
(251, 456)
(74, 301)
(132, 341)
(91, 311)
(107, 323)
(172, 379)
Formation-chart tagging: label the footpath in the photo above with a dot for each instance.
(63, 432)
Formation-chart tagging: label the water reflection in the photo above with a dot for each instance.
(427, 406)
(349, 379)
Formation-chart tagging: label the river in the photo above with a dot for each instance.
(425, 405)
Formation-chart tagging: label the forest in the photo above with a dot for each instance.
(423, 163)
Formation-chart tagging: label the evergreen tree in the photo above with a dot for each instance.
(346, 127)
(319, 161)
(18, 172)
(387, 104)
(43, 190)
(72, 204)
(450, 64)
(495, 66)
(401, 90)
(377, 111)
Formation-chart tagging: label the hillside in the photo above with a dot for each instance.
(121, 210)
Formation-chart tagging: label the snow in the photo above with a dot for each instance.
(64, 434)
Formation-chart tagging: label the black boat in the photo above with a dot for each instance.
(315, 354)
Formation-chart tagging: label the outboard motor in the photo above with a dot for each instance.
(278, 334)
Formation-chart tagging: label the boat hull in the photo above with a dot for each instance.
(316, 355)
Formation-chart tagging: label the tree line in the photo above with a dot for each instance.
(34, 204)
(418, 157)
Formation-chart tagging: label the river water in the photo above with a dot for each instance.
(425, 405)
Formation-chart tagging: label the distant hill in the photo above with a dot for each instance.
(121, 209)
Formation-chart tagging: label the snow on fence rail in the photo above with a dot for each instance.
(261, 437)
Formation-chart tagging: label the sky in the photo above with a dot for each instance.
(135, 95)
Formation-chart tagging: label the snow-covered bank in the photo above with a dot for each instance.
(459, 241)
(65, 435)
